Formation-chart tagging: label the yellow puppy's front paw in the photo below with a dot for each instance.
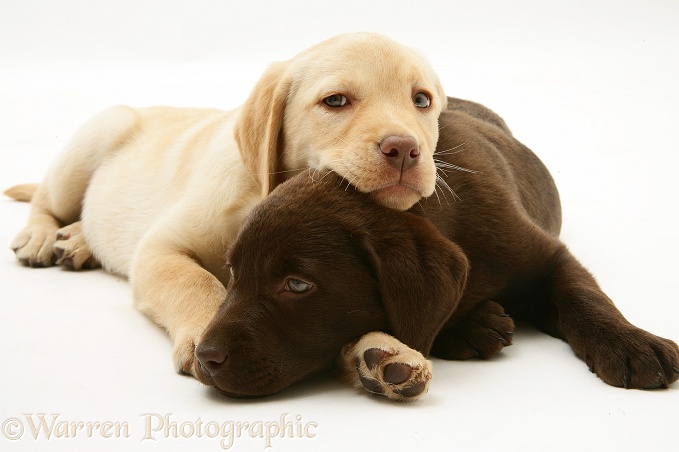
(183, 356)
(33, 246)
(385, 366)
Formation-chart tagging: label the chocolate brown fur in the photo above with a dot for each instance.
(439, 277)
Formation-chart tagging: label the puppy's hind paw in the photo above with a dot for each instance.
(383, 365)
(71, 250)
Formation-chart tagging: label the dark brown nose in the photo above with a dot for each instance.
(400, 152)
(210, 358)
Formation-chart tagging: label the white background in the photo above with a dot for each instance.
(591, 87)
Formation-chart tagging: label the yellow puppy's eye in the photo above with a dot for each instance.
(297, 286)
(336, 101)
(421, 100)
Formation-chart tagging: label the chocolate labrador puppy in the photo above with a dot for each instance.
(318, 265)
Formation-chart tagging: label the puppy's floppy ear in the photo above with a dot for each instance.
(257, 130)
(421, 276)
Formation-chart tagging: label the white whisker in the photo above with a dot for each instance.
(351, 183)
(441, 127)
(326, 174)
(287, 171)
(443, 182)
(448, 151)
(438, 186)
(436, 192)
(450, 166)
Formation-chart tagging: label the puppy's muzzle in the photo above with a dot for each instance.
(210, 358)
(401, 152)
(237, 366)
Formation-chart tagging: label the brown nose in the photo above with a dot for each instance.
(210, 358)
(400, 152)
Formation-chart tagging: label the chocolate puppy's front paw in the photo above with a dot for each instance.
(482, 333)
(634, 359)
(385, 366)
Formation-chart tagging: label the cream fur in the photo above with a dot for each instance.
(353, 365)
(161, 192)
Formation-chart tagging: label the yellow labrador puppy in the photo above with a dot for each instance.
(158, 194)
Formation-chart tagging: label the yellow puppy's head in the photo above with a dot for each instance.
(361, 105)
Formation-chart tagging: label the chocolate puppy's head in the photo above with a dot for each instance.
(316, 265)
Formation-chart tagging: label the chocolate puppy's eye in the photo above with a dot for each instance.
(336, 101)
(297, 286)
(422, 100)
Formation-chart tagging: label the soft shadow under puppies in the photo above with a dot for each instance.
(318, 265)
